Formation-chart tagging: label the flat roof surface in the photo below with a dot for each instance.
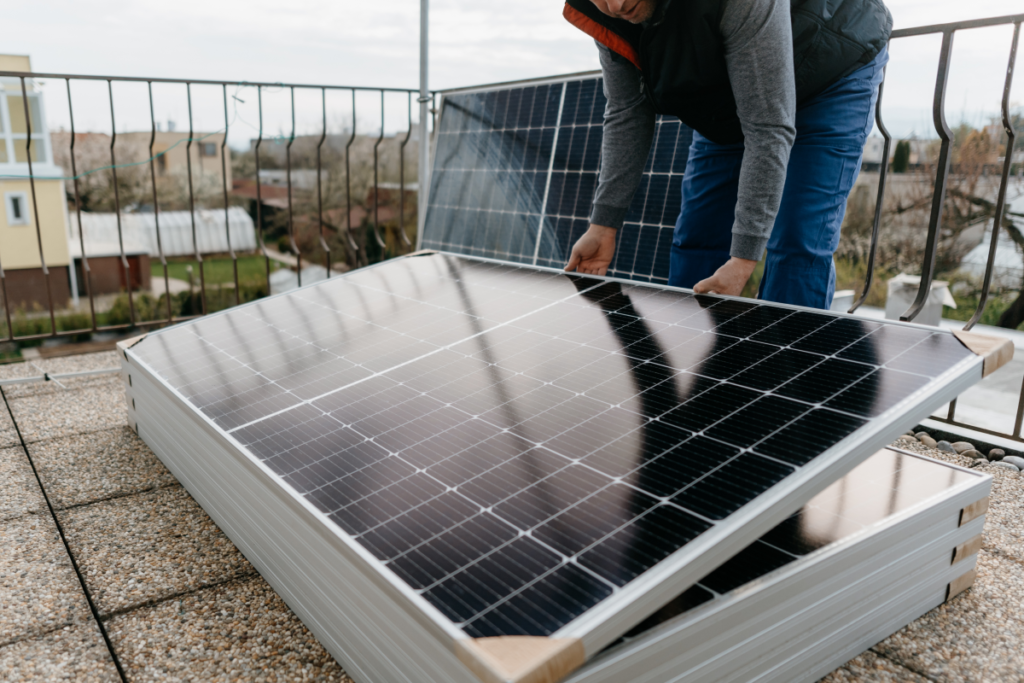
(181, 603)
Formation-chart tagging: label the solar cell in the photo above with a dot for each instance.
(518, 445)
(516, 169)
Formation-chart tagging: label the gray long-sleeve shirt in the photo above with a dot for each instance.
(759, 57)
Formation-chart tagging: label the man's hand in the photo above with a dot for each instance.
(729, 279)
(593, 252)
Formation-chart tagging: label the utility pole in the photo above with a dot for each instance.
(424, 148)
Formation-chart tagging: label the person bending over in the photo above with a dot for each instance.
(780, 95)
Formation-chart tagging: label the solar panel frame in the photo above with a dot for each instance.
(606, 622)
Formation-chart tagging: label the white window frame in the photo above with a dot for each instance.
(40, 138)
(26, 216)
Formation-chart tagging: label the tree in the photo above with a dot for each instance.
(901, 157)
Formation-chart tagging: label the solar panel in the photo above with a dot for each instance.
(515, 171)
(527, 453)
(873, 550)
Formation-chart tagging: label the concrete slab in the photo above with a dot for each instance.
(975, 636)
(19, 491)
(84, 468)
(147, 547)
(72, 653)
(870, 668)
(39, 591)
(240, 631)
(51, 412)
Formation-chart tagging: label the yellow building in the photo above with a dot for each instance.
(26, 218)
(173, 151)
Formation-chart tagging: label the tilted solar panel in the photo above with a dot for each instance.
(863, 558)
(515, 170)
(526, 453)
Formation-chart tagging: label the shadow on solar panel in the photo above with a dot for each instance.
(455, 469)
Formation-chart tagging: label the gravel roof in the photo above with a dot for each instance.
(180, 602)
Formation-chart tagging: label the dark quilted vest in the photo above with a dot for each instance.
(682, 58)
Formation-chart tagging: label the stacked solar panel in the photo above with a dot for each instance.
(515, 171)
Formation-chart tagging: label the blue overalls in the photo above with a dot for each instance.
(831, 130)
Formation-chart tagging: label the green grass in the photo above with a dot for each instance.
(251, 269)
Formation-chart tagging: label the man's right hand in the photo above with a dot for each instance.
(593, 252)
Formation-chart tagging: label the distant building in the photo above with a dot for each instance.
(27, 221)
(170, 149)
(874, 146)
(173, 150)
(301, 178)
(872, 159)
(275, 150)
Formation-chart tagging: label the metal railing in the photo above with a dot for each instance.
(948, 31)
(932, 241)
(355, 253)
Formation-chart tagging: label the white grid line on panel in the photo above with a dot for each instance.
(400, 365)
(547, 183)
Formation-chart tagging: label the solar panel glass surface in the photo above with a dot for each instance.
(516, 444)
(886, 484)
(515, 171)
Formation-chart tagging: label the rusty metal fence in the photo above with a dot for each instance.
(75, 199)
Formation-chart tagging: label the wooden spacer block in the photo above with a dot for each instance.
(126, 344)
(521, 659)
(996, 351)
(960, 584)
(974, 510)
(966, 549)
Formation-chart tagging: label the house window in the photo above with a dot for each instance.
(209, 149)
(17, 208)
(14, 136)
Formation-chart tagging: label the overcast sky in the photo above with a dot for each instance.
(345, 42)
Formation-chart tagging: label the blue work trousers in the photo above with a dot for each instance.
(831, 130)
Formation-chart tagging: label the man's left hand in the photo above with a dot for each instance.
(729, 279)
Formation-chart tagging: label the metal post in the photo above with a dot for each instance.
(376, 184)
(156, 207)
(997, 216)
(117, 204)
(931, 246)
(879, 200)
(424, 100)
(291, 222)
(319, 185)
(35, 205)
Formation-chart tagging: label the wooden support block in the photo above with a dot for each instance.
(996, 351)
(966, 549)
(126, 344)
(521, 659)
(960, 584)
(974, 510)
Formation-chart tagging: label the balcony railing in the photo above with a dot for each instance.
(948, 31)
(355, 253)
(928, 264)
